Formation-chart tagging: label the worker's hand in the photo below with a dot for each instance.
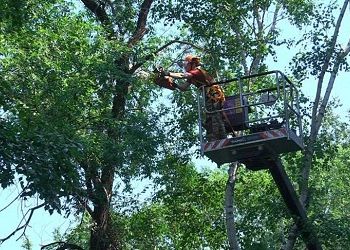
(156, 70)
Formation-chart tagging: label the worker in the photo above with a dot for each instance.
(214, 99)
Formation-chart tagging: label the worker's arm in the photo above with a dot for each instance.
(186, 75)
(180, 75)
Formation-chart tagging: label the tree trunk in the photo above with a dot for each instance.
(103, 234)
(292, 237)
(229, 209)
(317, 117)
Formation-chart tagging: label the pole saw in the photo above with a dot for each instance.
(163, 81)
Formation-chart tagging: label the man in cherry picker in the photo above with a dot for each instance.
(214, 99)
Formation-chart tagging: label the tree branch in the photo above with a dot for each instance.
(13, 199)
(24, 227)
(315, 116)
(63, 245)
(85, 205)
(152, 55)
(100, 14)
(291, 238)
(260, 39)
(275, 19)
(141, 23)
(259, 20)
(243, 54)
(318, 111)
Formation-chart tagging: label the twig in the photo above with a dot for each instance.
(23, 226)
(13, 200)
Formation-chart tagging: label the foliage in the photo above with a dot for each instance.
(74, 115)
(62, 80)
(316, 44)
(261, 215)
(27, 245)
(57, 87)
(236, 33)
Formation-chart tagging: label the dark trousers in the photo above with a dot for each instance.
(214, 122)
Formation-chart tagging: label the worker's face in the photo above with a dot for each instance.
(187, 66)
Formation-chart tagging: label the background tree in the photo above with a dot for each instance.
(325, 58)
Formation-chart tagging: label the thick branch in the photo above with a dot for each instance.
(274, 20)
(63, 245)
(141, 23)
(259, 20)
(100, 14)
(327, 94)
(243, 54)
(260, 39)
(291, 238)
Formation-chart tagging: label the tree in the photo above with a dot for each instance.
(326, 57)
(242, 35)
(76, 113)
(187, 210)
(238, 35)
(74, 116)
(245, 36)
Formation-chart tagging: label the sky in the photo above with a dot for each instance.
(341, 86)
(42, 225)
